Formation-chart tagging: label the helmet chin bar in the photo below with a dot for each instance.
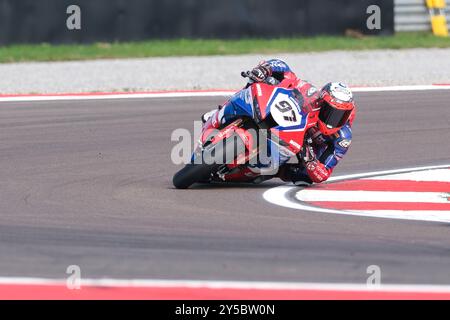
(327, 130)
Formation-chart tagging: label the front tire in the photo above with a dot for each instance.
(193, 173)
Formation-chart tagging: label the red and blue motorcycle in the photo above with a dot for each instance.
(261, 127)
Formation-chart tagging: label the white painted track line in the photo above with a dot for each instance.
(371, 196)
(442, 175)
(259, 285)
(184, 94)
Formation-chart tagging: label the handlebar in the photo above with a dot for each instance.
(270, 80)
(245, 74)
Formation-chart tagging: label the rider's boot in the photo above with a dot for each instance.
(261, 179)
(295, 174)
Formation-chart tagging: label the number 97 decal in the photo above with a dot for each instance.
(285, 111)
(285, 107)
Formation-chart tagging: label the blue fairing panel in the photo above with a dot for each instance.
(239, 105)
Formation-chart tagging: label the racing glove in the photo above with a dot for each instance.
(316, 170)
(261, 72)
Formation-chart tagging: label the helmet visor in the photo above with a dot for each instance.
(332, 117)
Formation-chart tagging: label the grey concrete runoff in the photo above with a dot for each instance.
(371, 68)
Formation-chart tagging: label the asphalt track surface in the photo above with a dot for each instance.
(88, 183)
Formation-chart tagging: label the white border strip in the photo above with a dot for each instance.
(402, 88)
(108, 96)
(195, 284)
(185, 94)
(386, 172)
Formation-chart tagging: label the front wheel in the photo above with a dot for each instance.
(213, 158)
(191, 174)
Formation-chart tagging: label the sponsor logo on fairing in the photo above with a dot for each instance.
(311, 91)
(295, 144)
(248, 97)
(258, 90)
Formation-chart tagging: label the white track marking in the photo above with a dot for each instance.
(258, 285)
(370, 196)
(442, 175)
(387, 172)
(187, 94)
(402, 88)
(278, 196)
(431, 215)
(114, 96)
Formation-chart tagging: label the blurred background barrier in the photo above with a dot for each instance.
(36, 21)
(413, 15)
(437, 9)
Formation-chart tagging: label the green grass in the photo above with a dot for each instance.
(185, 47)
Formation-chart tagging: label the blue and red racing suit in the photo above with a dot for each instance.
(328, 150)
(324, 151)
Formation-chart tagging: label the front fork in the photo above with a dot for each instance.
(211, 136)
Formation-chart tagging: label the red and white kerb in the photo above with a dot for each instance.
(417, 194)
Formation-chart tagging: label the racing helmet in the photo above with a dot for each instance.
(336, 107)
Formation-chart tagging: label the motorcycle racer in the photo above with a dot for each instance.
(327, 142)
